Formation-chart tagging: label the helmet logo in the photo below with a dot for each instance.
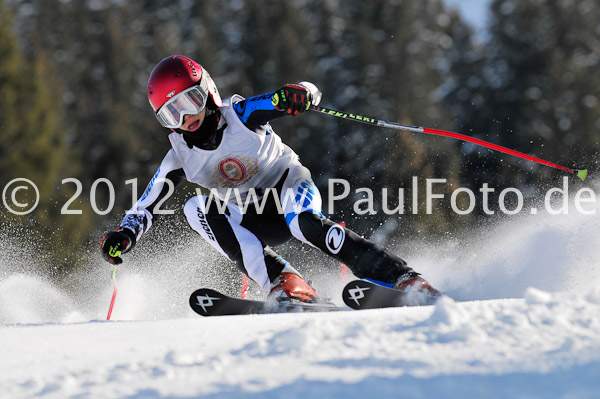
(194, 73)
(171, 93)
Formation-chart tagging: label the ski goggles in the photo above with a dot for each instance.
(189, 102)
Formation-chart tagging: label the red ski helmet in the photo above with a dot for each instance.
(177, 86)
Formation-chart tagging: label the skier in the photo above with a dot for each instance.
(229, 144)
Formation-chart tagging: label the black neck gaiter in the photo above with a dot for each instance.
(207, 137)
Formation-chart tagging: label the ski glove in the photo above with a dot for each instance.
(115, 243)
(292, 99)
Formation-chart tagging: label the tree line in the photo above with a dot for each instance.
(73, 96)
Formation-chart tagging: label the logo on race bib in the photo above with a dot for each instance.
(232, 169)
(335, 238)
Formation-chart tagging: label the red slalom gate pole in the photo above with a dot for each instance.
(343, 267)
(115, 291)
(581, 173)
(244, 287)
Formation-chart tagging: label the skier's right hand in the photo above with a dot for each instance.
(115, 243)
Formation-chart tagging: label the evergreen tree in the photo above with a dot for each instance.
(32, 141)
(531, 86)
(33, 147)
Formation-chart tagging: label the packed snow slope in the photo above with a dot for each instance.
(524, 322)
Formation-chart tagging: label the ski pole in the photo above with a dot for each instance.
(581, 173)
(115, 290)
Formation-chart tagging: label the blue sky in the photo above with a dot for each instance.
(473, 11)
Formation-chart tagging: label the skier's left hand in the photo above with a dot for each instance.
(292, 98)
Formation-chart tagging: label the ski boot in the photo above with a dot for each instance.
(417, 288)
(289, 286)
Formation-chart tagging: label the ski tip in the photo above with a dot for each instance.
(582, 174)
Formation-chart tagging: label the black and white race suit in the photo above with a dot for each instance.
(261, 196)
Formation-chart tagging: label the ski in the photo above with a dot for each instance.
(364, 294)
(209, 302)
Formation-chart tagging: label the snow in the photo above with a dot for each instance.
(523, 322)
(546, 345)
